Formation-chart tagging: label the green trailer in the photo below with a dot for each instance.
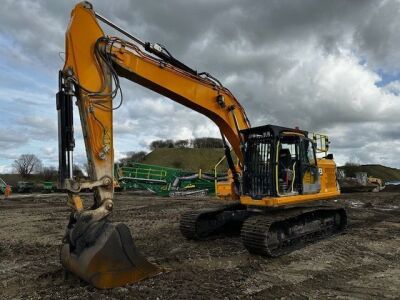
(3, 186)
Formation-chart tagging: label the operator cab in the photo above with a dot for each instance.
(279, 161)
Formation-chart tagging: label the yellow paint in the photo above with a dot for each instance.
(75, 202)
(97, 124)
(225, 190)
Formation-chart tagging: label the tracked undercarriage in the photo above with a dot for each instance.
(269, 233)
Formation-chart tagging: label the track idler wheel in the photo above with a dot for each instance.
(105, 256)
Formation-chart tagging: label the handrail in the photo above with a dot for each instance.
(215, 170)
(322, 142)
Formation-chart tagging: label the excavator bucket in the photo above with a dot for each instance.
(106, 257)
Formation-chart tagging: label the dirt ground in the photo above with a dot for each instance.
(362, 263)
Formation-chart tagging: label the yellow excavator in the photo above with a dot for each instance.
(276, 178)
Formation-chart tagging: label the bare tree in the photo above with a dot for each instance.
(49, 173)
(182, 144)
(27, 164)
(351, 164)
(207, 142)
(161, 144)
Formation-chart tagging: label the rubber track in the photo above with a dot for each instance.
(253, 235)
(255, 230)
(188, 224)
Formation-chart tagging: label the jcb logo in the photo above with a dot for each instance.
(320, 171)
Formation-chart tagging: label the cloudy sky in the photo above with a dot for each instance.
(327, 66)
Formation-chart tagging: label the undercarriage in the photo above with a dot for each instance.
(272, 232)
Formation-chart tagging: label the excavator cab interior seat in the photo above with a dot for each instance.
(286, 170)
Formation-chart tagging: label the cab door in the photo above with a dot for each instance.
(309, 168)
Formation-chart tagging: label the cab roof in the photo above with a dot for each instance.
(273, 129)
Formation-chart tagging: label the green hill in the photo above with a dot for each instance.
(379, 171)
(187, 158)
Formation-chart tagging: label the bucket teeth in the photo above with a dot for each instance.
(105, 256)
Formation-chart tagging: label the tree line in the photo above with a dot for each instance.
(205, 142)
(28, 164)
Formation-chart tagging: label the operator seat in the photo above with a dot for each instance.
(285, 169)
(285, 159)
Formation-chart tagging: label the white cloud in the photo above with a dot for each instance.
(5, 169)
(313, 64)
(393, 87)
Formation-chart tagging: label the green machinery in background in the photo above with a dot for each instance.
(3, 186)
(164, 181)
(29, 187)
(25, 186)
(48, 186)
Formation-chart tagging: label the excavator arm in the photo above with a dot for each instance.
(94, 62)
